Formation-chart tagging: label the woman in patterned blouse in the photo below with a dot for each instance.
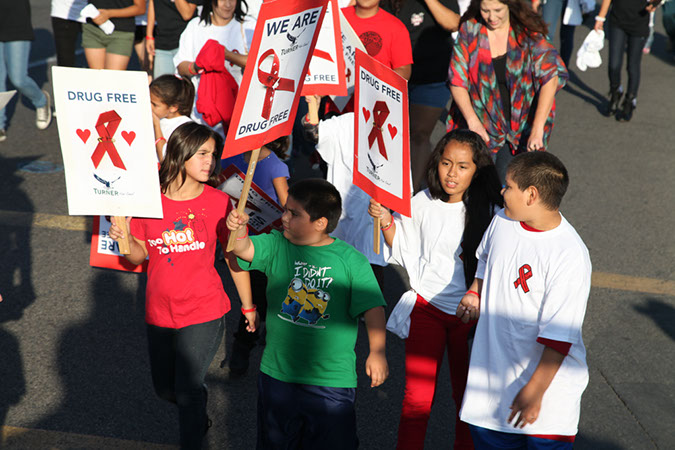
(503, 76)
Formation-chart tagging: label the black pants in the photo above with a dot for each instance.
(179, 359)
(620, 42)
(65, 39)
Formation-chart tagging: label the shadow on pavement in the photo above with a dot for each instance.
(661, 313)
(16, 284)
(104, 369)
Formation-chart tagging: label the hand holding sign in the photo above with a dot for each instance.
(381, 147)
(284, 39)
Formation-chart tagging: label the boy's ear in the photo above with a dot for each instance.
(173, 109)
(531, 195)
(320, 224)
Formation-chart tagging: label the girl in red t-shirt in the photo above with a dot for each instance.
(185, 299)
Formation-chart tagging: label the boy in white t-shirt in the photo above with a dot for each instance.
(528, 363)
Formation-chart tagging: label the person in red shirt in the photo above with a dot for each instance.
(385, 37)
(185, 300)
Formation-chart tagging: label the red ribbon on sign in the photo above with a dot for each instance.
(106, 143)
(272, 82)
(380, 114)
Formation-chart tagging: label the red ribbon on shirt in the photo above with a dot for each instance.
(106, 143)
(272, 82)
(524, 274)
(380, 114)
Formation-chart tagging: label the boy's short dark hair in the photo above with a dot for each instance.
(544, 171)
(320, 199)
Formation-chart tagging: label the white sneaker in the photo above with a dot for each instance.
(43, 116)
(3, 135)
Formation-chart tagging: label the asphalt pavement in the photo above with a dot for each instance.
(73, 365)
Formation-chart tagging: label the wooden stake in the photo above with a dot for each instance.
(243, 198)
(376, 235)
(124, 246)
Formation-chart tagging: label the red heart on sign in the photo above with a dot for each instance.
(366, 113)
(129, 136)
(392, 130)
(83, 134)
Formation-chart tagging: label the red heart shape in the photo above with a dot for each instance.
(129, 136)
(392, 130)
(366, 113)
(83, 134)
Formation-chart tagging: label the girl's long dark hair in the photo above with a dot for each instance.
(183, 145)
(480, 200)
(239, 11)
(522, 17)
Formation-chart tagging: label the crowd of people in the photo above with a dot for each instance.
(498, 277)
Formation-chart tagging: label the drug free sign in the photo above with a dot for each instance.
(284, 39)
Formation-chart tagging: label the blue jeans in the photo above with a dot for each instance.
(551, 13)
(484, 439)
(179, 359)
(617, 46)
(14, 63)
(164, 62)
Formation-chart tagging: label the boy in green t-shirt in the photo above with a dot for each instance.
(317, 289)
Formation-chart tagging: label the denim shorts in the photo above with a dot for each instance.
(435, 95)
(118, 43)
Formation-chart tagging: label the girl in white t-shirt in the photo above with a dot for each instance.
(171, 98)
(437, 247)
(226, 22)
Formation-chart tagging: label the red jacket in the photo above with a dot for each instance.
(217, 87)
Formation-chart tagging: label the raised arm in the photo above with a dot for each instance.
(243, 246)
(445, 17)
(185, 9)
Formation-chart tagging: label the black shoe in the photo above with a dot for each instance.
(239, 359)
(208, 425)
(627, 108)
(614, 100)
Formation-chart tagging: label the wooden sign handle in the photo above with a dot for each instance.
(376, 235)
(243, 198)
(124, 245)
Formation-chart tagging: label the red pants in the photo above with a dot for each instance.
(431, 331)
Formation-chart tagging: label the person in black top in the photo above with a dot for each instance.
(111, 51)
(430, 23)
(628, 31)
(166, 21)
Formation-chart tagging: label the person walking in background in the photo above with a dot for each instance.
(111, 51)
(223, 21)
(504, 75)
(67, 26)
(167, 19)
(430, 24)
(628, 32)
(16, 34)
